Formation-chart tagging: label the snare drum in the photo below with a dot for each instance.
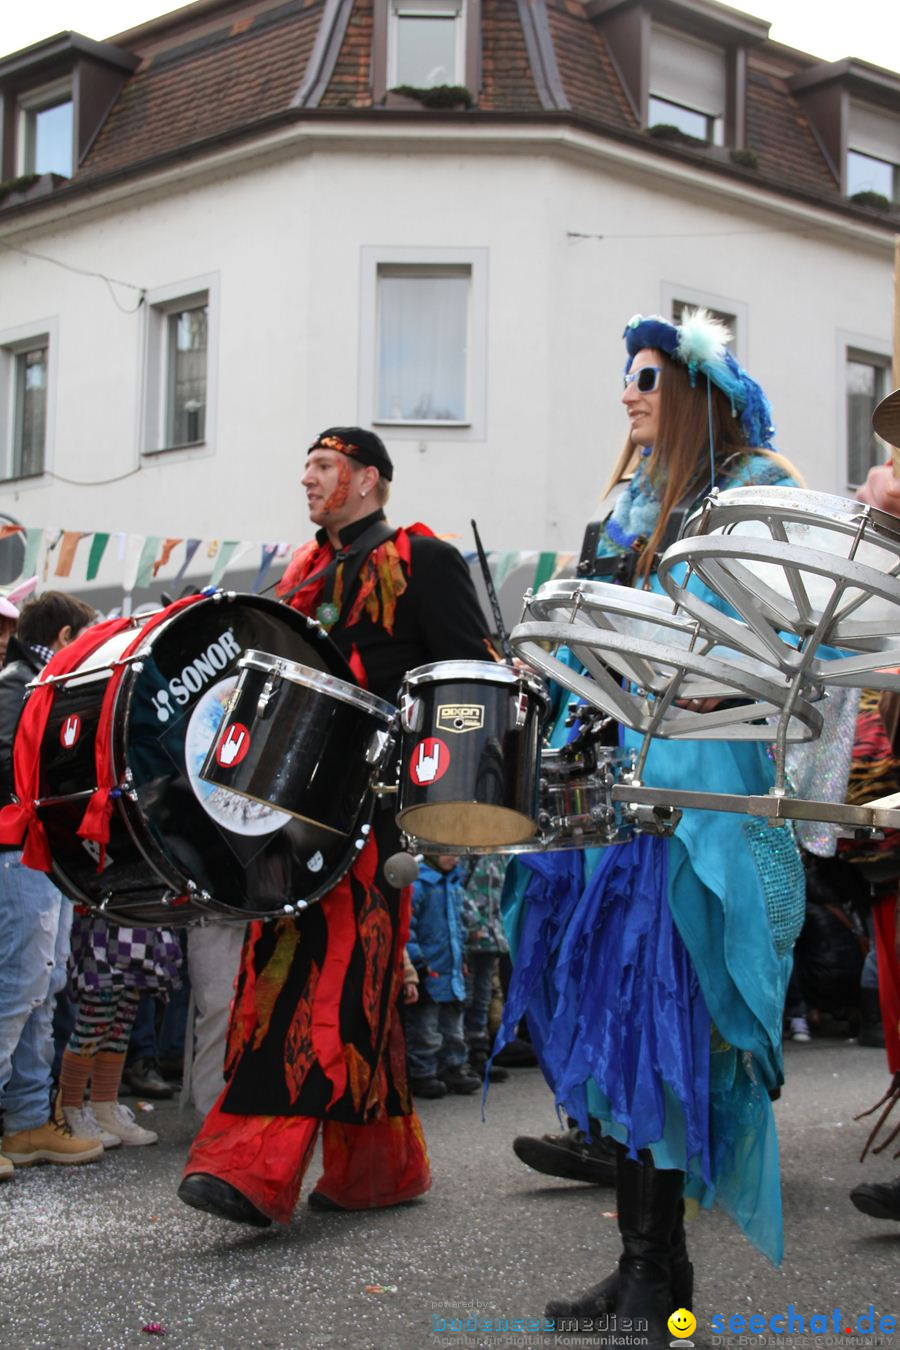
(576, 809)
(302, 741)
(180, 848)
(470, 741)
(802, 570)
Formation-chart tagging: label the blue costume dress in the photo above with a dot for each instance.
(648, 970)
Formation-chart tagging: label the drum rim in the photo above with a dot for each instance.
(567, 588)
(344, 692)
(462, 670)
(844, 512)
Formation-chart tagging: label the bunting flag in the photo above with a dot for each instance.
(136, 559)
(190, 549)
(98, 548)
(226, 553)
(265, 562)
(169, 546)
(33, 540)
(70, 541)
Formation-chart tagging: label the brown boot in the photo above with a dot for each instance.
(6, 1168)
(52, 1143)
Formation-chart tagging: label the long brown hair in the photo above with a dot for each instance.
(679, 462)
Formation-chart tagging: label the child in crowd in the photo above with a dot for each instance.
(483, 881)
(109, 967)
(438, 1060)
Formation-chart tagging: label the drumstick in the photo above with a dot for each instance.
(492, 596)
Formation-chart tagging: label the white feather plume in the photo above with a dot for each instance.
(702, 339)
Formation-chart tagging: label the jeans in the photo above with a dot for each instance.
(434, 1037)
(479, 992)
(35, 922)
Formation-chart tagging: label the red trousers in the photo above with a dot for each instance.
(266, 1157)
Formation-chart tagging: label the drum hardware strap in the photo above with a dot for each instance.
(353, 557)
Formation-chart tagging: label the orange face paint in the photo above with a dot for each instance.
(338, 497)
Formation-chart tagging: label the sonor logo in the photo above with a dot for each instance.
(196, 675)
(460, 717)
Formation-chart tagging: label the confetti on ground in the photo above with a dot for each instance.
(143, 1106)
(380, 1289)
(154, 1329)
(610, 1214)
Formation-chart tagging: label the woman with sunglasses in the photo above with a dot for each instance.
(648, 969)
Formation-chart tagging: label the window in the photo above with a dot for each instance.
(873, 152)
(730, 311)
(423, 319)
(425, 43)
(46, 131)
(179, 368)
(185, 396)
(867, 383)
(423, 339)
(24, 404)
(688, 85)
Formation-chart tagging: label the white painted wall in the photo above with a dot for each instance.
(285, 237)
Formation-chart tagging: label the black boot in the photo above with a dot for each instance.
(602, 1299)
(650, 1202)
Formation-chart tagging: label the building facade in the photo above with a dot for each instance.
(247, 220)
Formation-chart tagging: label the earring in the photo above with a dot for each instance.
(363, 493)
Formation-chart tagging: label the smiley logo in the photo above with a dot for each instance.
(682, 1323)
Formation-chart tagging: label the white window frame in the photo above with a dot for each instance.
(473, 427)
(672, 291)
(861, 345)
(13, 342)
(455, 9)
(35, 101)
(160, 304)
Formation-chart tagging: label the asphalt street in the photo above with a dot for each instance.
(104, 1256)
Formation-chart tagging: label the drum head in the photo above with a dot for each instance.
(248, 858)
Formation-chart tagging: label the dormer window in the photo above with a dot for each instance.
(426, 43)
(873, 152)
(45, 131)
(688, 85)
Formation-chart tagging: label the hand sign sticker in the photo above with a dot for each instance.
(429, 761)
(70, 731)
(233, 746)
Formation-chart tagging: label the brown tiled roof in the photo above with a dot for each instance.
(507, 81)
(248, 69)
(222, 67)
(781, 135)
(589, 77)
(351, 84)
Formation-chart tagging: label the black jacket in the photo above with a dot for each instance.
(22, 664)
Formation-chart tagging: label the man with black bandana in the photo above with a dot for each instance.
(315, 1039)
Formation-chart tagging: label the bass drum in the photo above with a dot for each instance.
(180, 848)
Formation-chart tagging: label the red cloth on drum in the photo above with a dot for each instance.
(266, 1159)
(16, 819)
(883, 915)
(95, 821)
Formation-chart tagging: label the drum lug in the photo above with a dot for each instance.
(268, 694)
(411, 712)
(522, 705)
(379, 746)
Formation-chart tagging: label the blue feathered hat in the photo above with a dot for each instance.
(700, 342)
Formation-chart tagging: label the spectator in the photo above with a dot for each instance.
(34, 923)
(483, 882)
(438, 1059)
